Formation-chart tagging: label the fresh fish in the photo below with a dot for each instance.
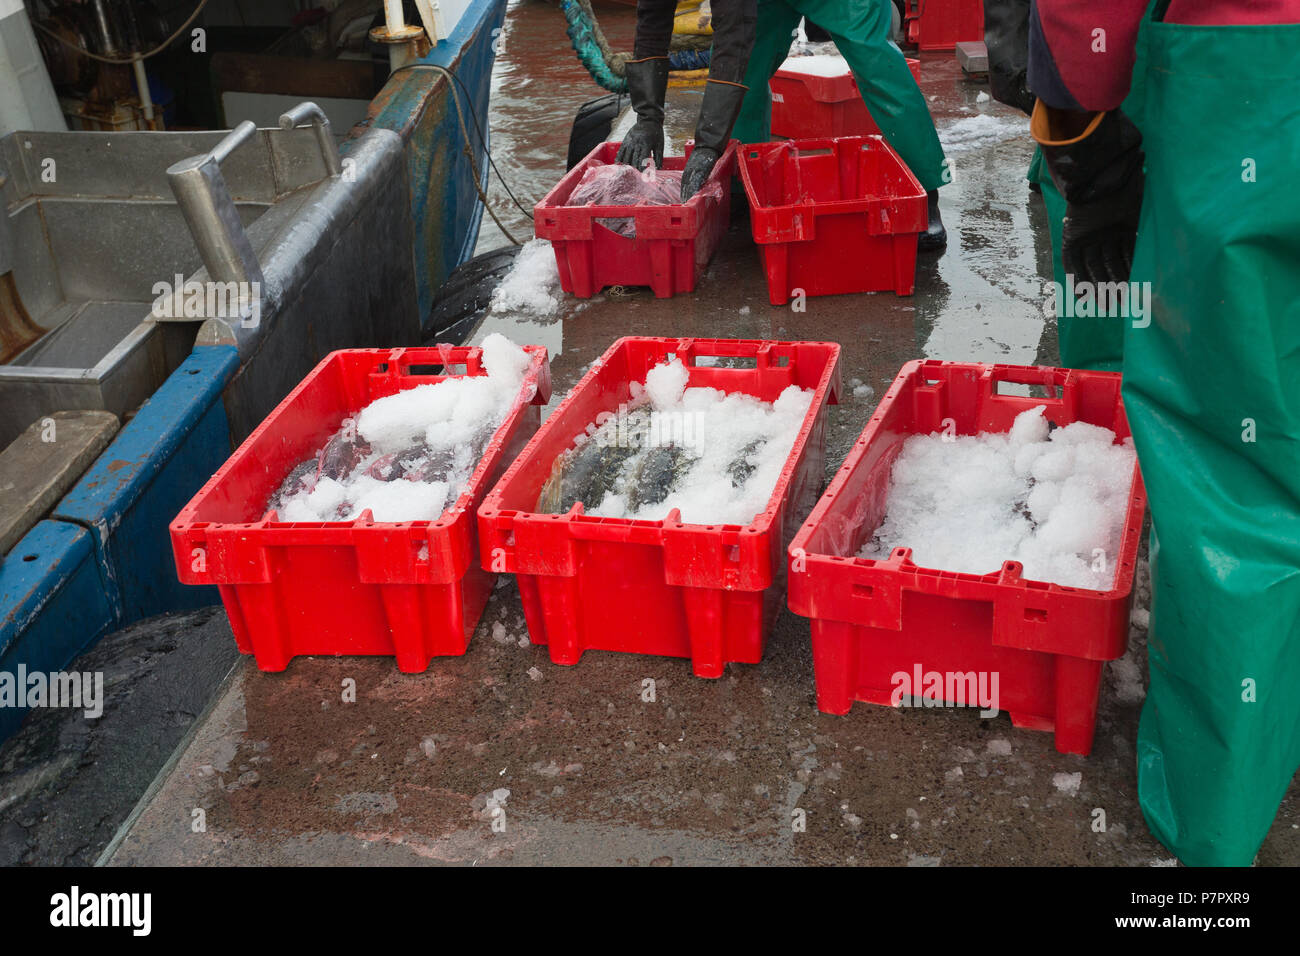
(302, 480)
(741, 467)
(417, 463)
(657, 474)
(583, 474)
(592, 470)
(340, 455)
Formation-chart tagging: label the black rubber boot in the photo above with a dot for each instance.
(647, 85)
(935, 236)
(718, 114)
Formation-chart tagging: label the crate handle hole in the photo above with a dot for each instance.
(1035, 614)
(865, 590)
(1036, 390)
(728, 361)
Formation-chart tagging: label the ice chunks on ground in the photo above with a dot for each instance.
(715, 456)
(1067, 783)
(977, 132)
(409, 455)
(1054, 500)
(532, 286)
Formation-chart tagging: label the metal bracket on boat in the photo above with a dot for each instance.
(311, 113)
(214, 222)
(211, 214)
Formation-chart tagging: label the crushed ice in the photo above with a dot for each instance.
(407, 456)
(715, 456)
(532, 286)
(1054, 501)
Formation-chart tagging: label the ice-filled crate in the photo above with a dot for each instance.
(666, 247)
(832, 216)
(817, 97)
(931, 568)
(287, 527)
(604, 569)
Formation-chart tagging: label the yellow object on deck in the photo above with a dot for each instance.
(688, 77)
(694, 17)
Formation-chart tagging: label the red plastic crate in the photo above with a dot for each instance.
(673, 244)
(873, 619)
(805, 107)
(832, 216)
(942, 24)
(707, 592)
(411, 589)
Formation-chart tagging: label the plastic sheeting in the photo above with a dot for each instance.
(617, 184)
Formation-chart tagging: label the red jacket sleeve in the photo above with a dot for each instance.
(1081, 54)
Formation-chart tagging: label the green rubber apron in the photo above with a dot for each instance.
(1212, 391)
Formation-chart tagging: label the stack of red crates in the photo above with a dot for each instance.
(942, 24)
(833, 216)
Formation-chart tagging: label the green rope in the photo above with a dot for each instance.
(605, 66)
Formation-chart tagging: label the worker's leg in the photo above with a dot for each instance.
(777, 21)
(860, 29)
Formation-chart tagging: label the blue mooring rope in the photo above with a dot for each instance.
(690, 59)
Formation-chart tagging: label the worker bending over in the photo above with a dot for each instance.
(647, 85)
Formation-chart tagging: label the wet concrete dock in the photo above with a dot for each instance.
(503, 757)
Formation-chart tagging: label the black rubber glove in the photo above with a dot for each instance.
(647, 85)
(718, 114)
(697, 170)
(1100, 176)
(1098, 237)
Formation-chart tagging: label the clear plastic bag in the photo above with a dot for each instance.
(617, 184)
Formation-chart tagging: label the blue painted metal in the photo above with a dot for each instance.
(416, 104)
(476, 217)
(158, 461)
(53, 604)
